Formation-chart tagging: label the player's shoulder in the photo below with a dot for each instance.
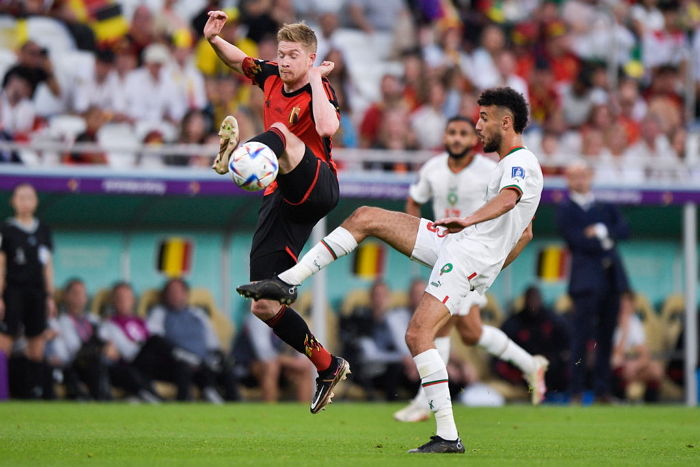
(437, 161)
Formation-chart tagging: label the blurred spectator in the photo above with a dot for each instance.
(577, 100)
(395, 134)
(167, 21)
(597, 278)
(103, 89)
(631, 107)
(505, 64)
(125, 62)
(260, 354)
(646, 17)
(540, 331)
(557, 54)
(664, 98)
(544, 98)
(415, 80)
(77, 349)
(141, 32)
(328, 23)
(429, 120)
(128, 335)
(391, 98)
(95, 118)
(34, 64)
(382, 356)
(188, 79)
(82, 34)
(193, 130)
(616, 167)
(189, 329)
(151, 93)
(16, 108)
(448, 52)
(652, 144)
(371, 16)
(631, 359)
(483, 70)
(665, 46)
(258, 16)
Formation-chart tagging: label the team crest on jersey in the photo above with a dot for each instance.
(294, 115)
(446, 268)
(517, 172)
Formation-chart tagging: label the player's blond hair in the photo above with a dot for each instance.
(298, 32)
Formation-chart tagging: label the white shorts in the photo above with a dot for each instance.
(456, 272)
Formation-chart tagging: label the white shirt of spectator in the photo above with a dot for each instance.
(108, 95)
(17, 119)
(453, 194)
(428, 124)
(190, 84)
(635, 334)
(153, 100)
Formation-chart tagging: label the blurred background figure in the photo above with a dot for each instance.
(190, 331)
(26, 282)
(540, 331)
(597, 279)
(375, 333)
(261, 356)
(633, 365)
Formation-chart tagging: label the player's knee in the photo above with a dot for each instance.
(264, 309)
(414, 340)
(364, 217)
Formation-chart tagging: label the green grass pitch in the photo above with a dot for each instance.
(345, 434)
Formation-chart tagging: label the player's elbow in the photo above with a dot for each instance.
(328, 128)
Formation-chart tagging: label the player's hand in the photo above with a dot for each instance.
(453, 224)
(215, 23)
(589, 231)
(326, 67)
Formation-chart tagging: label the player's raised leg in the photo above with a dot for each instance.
(430, 316)
(397, 229)
(498, 344)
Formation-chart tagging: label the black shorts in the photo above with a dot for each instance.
(24, 306)
(287, 216)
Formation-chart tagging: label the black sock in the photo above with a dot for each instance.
(292, 329)
(274, 139)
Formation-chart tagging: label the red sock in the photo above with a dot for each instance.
(292, 329)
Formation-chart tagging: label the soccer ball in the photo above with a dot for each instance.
(253, 166)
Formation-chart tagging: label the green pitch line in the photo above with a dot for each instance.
(346, 434)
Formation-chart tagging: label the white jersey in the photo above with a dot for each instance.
(471, 259)
(453, 194)
(519, 169)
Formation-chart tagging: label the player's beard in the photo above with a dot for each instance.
(494, 144)
(458, 155)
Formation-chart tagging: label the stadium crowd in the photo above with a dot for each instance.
(605, 79)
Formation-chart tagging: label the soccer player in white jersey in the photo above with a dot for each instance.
(465, 253)
(456, 182)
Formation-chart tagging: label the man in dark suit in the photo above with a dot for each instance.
(597, 279)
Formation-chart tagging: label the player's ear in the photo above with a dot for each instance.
(312, 57)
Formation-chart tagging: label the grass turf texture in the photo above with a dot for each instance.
(345, 434)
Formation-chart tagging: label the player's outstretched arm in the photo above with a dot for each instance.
(522, 241)
(325, 114)
(231, 55)
(497, 206)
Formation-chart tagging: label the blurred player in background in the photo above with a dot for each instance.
(465, 253)
(457, 181)
(26, 284)
(301, 114)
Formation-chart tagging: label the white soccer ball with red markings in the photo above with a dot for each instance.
(253, 166)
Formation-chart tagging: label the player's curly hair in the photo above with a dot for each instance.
(511, 100)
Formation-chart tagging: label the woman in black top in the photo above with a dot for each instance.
(26, 282)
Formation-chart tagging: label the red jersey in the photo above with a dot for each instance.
(291, 108)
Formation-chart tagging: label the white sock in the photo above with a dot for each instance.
(495, 342)
(442, 344)
(433, 374)
(338, 243)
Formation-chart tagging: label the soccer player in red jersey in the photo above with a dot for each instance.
(301, 115)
